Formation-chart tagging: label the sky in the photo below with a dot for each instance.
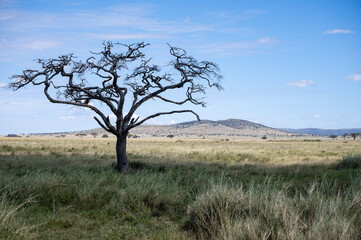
(286, 64)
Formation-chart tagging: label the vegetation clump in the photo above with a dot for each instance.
(350, 161)
(13, 135)
(333, 136)
(267, 211)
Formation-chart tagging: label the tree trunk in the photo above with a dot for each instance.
(121, 148)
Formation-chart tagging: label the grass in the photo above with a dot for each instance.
(350, 161)
(180, 189)
(266, 211)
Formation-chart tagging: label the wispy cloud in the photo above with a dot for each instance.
(354, 77)
(267, 40)
(301, 83)
(337, 31)
(40, 44)
(3, 85)
(237, 48)
(113, 118)
(6, 17)
(317, 116)
(231, 16)
(136, 18)
(77, 112)
(126, 36)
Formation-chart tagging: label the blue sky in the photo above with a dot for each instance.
(289, 64)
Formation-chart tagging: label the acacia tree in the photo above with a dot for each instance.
(345, 135)
(354, 135)
(108, 76)
(333, 137)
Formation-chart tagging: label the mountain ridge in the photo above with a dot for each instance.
(207, 128)
(220, 128)
(320, 131)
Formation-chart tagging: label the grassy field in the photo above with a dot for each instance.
(53, 188)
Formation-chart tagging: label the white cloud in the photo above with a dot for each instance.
(40, 44)
(113, 118)
(77, 112)
(336, 31)
(267, 40)
(172, 122)
(232, 16)
(354, 77)
(236, 48)
(6, 17)
(126, 36)
(317, 116)
(301, 83)
(136, 17)
(3, 85)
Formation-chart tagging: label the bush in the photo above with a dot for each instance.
(13, 135)
(350, 161)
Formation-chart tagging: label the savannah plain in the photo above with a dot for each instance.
(68, 188)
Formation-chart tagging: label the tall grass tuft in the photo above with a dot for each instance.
(350, 161)
(267, 211)
(10, 226)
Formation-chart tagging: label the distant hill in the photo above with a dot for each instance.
(207, 128)
(318, 131)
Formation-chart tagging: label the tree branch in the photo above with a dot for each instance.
(159, 114)
(145, 81)
(53, 100)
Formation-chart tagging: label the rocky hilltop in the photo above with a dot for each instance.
(207, 128)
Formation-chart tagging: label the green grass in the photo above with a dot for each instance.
(179, 189)
(266, 211)
(350, 161)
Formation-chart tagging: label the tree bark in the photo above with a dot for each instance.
(121, 148)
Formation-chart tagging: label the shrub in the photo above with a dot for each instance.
(350, 161)
(94, 134)
(333, 136)
(13, 135)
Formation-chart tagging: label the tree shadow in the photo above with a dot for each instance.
(298, 174)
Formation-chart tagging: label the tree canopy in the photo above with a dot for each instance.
(109, 76)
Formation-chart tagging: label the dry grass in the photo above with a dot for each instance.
(282, 152)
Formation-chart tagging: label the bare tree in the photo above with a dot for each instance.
(118, 73)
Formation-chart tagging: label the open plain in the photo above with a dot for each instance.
(180, 189)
